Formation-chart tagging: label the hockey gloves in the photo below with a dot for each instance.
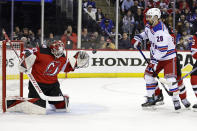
(153, 65)
(136, 41)
(79, 60)
(82, 59)
(27, 61)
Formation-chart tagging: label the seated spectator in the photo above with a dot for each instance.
(94, 40)
(85, 39)
(99, 15)
(37, 40)
(106, 26)
(180, 45)
(141, 4)
(69, 38)
(134, 7)
(90, 12)
(128, 23)
(112, 35)
(188, 28)
(186, 40)
(126, 5)
(101, 42)
(124, 43)
(50, 39)
(89, 19)
(139, 20)
(18, 33)
(108, 45)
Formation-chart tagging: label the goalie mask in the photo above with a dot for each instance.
(57, 48)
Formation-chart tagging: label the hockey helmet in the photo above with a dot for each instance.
(57, 48)
(154, 12)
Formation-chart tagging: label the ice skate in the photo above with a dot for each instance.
(159, 99)
(150, 102)
(186, 103)
(194, 107)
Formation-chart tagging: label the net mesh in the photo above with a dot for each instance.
(12, 72)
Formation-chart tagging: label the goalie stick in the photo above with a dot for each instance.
(169, 93)
(164, 81)
(32, 79)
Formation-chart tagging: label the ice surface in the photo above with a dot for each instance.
(106, 104)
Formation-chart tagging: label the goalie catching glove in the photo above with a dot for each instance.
(27, 61)
(79, 60)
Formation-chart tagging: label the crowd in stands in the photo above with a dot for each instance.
(98, 30)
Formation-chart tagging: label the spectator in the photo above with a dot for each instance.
(90, 12)
(126, 5)
(101, 42)
(128, 23)
(99, 15)
(180, 45)
(38, 38)
(50, 39)
(141, 4)
(108, 45)
(125, 42)
(85, 39)
(113, 35)
(139, 20)
(187, 39)
(94, 40)
(18, 33)
(134, 7)
(106, 26)
(69, 38)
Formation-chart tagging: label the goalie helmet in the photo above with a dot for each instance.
(154, 12)
(57, 48)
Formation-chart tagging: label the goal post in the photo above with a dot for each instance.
(11, 79)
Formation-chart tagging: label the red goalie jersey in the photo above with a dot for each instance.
(46, 66)
(194, 47)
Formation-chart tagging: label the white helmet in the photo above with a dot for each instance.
(154, 12)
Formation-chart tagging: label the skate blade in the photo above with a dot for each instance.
(149, 107)
(159, 103)
(194, 109)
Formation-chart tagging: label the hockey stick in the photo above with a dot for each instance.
(32, 79)
(173, 83)
(169, 93)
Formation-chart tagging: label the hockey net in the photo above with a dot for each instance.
(11, 80)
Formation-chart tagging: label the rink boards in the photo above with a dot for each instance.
(106, 63)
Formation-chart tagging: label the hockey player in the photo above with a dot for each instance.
(46, 63)
(194, 74)
(163, 56)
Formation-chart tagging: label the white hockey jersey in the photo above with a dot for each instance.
(162, 43)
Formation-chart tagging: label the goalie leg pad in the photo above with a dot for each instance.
(26, 105)
(63, 105)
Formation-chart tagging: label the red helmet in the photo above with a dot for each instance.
(57, 48)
